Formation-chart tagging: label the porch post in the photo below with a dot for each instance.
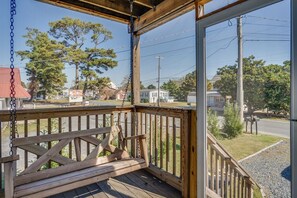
(135, 86)
(201, 104)
(293, 125)
(136, 70)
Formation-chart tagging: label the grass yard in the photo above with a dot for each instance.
(248, 144)
(32, 127)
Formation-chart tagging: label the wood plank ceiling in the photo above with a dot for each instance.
(147, 13)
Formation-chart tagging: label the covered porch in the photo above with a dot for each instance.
(171, 147)
(184, 160)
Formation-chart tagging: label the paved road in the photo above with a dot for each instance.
(269, 126)
(274, 127)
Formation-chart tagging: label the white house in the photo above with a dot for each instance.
(214, 99)
(151, 96)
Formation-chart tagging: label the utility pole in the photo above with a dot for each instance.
(159, 73)
(239, 70)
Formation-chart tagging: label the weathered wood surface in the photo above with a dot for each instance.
(139, 184)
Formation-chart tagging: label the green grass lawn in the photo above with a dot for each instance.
(32, 127)
(248, 144)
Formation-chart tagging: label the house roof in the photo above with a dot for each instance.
(5, 84)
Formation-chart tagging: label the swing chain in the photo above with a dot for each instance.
(13, 128)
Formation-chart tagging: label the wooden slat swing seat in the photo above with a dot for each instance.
(33, 182)
(38, 181)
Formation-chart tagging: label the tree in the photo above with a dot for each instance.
(77, 36)
(188, 85)
(151, 86)
(173, 87)
(253, 83)
(277, 87)
(45, 66)
(126, 84)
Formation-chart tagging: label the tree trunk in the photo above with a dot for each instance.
(85, 86)
(76, 76)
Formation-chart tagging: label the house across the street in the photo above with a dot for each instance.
(21, 93)
(151, 96)
(214, 99)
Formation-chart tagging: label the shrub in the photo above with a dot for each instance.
(213, 123)
(232, 125)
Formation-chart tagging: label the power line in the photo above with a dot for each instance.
(270, 25)
(256, 40)
(270, 19)
(222, 48)
(269, 34)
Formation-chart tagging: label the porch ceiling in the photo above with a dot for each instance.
(147, 13)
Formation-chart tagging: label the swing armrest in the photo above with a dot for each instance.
(143, 146)
(9, 159)
(142, 136)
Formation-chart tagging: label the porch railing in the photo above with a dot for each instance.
(171, 137)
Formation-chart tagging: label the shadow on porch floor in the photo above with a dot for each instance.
(136, 184)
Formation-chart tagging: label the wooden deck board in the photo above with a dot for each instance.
(83, 192)
(96, 191)
(138, 184)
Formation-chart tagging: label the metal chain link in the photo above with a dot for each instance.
(13, 128)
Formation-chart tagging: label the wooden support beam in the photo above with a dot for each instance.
(146, 3)
(164, 12)
(121, 7)
(136, 69)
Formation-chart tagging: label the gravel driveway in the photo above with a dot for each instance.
(271, 169)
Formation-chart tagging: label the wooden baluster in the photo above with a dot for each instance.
(231, 181)
(70, 143)
(49, 144)
(111, 119)
(167, 143)
(155, 142)
(140, 121)
(26, 135)
(96, 122)
(239, 185)
(104, 125)
(211, 168)
(79, 123)
(38, 131)
(119, 124)
(222, 178)
(151, 140)
(60, 129)
(88, 127)
(227, 180)
(217, 172)
(250, 190)
(59, 125)
(234, 184)
(161, 138)
(181, 147)
(126, 125)
(145, 123)
(242, 188)
(174, 146)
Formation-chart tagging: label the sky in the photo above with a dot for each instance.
(266, 35)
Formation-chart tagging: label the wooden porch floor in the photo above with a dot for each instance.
(136, 184)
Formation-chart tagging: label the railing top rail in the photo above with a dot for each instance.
(27, 114)
(168, 111)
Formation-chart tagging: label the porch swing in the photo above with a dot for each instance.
(71, 174)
